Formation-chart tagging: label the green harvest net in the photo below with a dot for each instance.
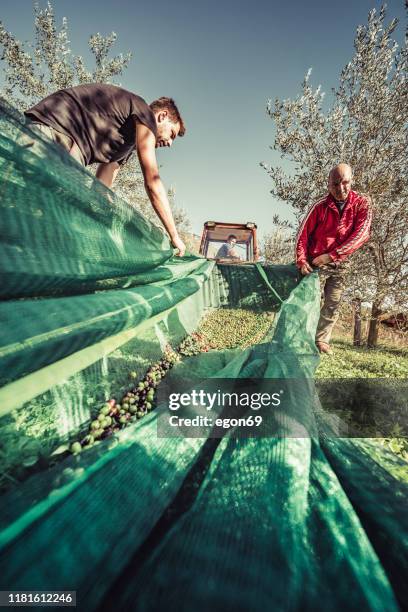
(90, 291)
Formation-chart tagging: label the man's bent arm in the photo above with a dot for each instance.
(107, 173)
(145, 144)
(306, 227)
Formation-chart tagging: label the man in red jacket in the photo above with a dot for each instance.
(334, 228)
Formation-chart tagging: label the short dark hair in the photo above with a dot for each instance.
(232, 236)
(169, 104)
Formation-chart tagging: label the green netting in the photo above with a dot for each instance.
(37, 333)
(147, 523)
(91, 240)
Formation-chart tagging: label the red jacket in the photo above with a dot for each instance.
(324, 231)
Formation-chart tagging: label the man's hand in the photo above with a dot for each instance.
(306, 269)
(179, 244)
(322, 260)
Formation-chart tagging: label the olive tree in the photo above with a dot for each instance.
(278, 245)
(35, 70)
(364, 125)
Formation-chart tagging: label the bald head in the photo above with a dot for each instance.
(340, 178)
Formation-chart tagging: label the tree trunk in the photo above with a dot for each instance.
(374, 325)
(357, 322)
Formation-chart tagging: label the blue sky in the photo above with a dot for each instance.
(221, 61)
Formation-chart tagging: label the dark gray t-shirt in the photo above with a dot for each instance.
(227, 250)
(99, 118)
(223, 251)
(340, 204)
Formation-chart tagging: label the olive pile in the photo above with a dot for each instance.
(137, 402)
(193, 345)
(220, 329)
(227, 328)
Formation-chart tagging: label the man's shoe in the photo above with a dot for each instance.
(323, 347)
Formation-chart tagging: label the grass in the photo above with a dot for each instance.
(385, 362)
(349, 361)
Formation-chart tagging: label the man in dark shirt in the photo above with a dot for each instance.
(105, 124)
(227, 250)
